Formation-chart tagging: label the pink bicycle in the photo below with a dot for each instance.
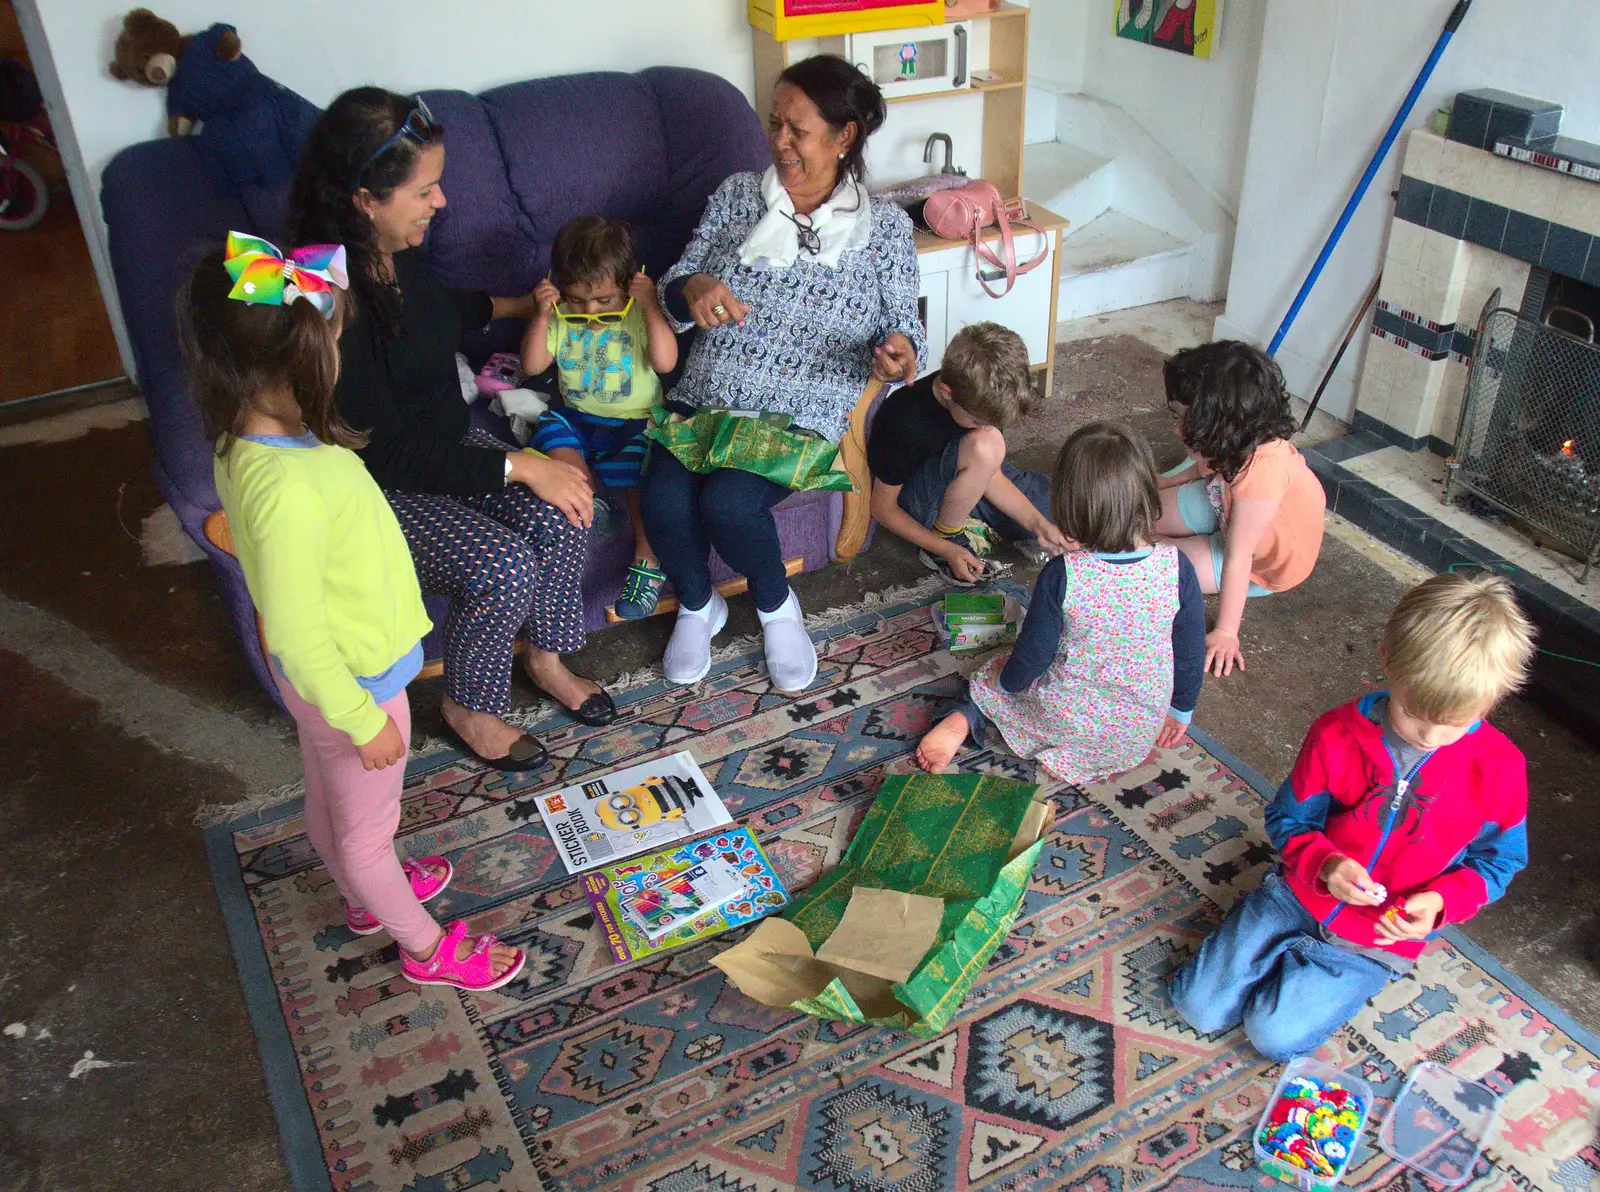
(24, 194)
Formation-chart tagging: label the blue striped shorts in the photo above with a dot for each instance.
(613, 447)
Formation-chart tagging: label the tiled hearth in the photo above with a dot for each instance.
(1466, 222)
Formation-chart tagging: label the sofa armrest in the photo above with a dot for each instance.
(853, 454)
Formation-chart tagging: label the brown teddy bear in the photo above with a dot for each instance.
(148, 49)
(250, 129)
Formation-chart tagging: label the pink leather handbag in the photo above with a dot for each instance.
(964, 211)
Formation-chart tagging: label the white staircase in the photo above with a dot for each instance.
(1143, 230)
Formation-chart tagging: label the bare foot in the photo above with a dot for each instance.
(503, 955)
(550, 674)
(936, 750)
(488, 735)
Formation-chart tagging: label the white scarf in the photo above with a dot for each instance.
(843, 223)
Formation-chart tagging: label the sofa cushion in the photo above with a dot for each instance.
(723, 137)
(481, 240)
(581, 143)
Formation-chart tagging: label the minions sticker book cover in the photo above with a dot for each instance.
(648, 806)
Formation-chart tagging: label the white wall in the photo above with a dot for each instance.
(1198, 110)
(1332, 75)
(320, 48)
(1058, 37)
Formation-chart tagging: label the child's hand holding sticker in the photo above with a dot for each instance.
(1348, 881)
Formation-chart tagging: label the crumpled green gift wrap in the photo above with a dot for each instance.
(942, 836)
(759, 443)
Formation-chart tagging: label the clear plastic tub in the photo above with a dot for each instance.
(1301, 1067)
(1440, 1124)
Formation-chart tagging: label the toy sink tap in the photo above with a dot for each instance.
(912, 193)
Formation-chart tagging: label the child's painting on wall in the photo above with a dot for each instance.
(1187, 26)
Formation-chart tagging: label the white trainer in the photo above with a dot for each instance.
(688, 657)
(791, 655)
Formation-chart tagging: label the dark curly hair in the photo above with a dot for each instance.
(844, 95)
(1233, 398)
(237, 350)
(334, 167)
(590, 249)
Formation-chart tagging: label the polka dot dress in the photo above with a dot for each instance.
(510, 564)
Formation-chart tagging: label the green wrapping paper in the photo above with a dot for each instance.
(759, 443)
(966, 841)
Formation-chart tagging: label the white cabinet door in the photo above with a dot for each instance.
(933, 303)
(1026, 309)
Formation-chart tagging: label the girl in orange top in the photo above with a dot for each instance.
(1246, 509)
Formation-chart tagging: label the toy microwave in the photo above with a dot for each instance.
(787, 19)
(914, 61)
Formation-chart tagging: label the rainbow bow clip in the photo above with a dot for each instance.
(262, 274)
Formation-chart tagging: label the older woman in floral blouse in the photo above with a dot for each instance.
(804, 288)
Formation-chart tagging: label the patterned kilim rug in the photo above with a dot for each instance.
(1066, 1068)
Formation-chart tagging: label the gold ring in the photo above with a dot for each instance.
(719, 309)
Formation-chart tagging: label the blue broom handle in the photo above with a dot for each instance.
(1360, 192)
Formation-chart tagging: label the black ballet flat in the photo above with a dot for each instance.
(597, 711)
(526, 754)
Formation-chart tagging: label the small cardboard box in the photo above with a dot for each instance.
(974, 608)
(977, 620)
(898, 932)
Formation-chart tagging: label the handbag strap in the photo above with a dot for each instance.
(1009, 264)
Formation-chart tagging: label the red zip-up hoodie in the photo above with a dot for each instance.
(1456, 824)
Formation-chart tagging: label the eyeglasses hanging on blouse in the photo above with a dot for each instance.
(810, 241)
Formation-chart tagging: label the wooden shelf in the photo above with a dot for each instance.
(1003, 50)
(977, 88)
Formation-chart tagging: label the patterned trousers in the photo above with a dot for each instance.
(510, 564)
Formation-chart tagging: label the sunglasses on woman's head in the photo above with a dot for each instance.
(599, 316)
(418, 125)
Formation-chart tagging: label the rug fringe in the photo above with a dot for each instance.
(211, 814)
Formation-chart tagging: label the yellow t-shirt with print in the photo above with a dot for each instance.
(605, 370)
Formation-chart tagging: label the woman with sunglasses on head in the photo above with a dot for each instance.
(499, 531)
(803, 288)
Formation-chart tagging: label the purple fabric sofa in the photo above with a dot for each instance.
(521, 160)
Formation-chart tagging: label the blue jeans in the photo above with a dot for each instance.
(922, 495)
(686, 514)
(1267, 967)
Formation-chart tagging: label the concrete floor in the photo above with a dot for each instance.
(126, 707)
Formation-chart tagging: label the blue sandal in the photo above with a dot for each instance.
(641, 591)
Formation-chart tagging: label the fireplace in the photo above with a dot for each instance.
(1483, 341)
(1469, 222)
(1528, 440)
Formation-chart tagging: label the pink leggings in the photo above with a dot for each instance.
(351, 815)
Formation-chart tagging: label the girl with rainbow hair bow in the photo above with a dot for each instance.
(331, 575)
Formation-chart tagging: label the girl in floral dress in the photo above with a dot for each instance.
(1111, 654)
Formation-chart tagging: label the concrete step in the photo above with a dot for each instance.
(1072, 182)
(1114, 261)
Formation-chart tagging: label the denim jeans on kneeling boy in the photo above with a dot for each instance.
(922, 495)
(1268, 968)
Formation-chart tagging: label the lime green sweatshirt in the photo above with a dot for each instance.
(329, 571)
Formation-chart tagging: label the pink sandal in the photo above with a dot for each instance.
(425, 884)
(474, 974)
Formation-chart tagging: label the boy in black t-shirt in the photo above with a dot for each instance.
(937, 451)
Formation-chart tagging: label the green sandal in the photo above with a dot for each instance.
(641, 591)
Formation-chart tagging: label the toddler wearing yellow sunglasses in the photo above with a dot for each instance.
(600, 323)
